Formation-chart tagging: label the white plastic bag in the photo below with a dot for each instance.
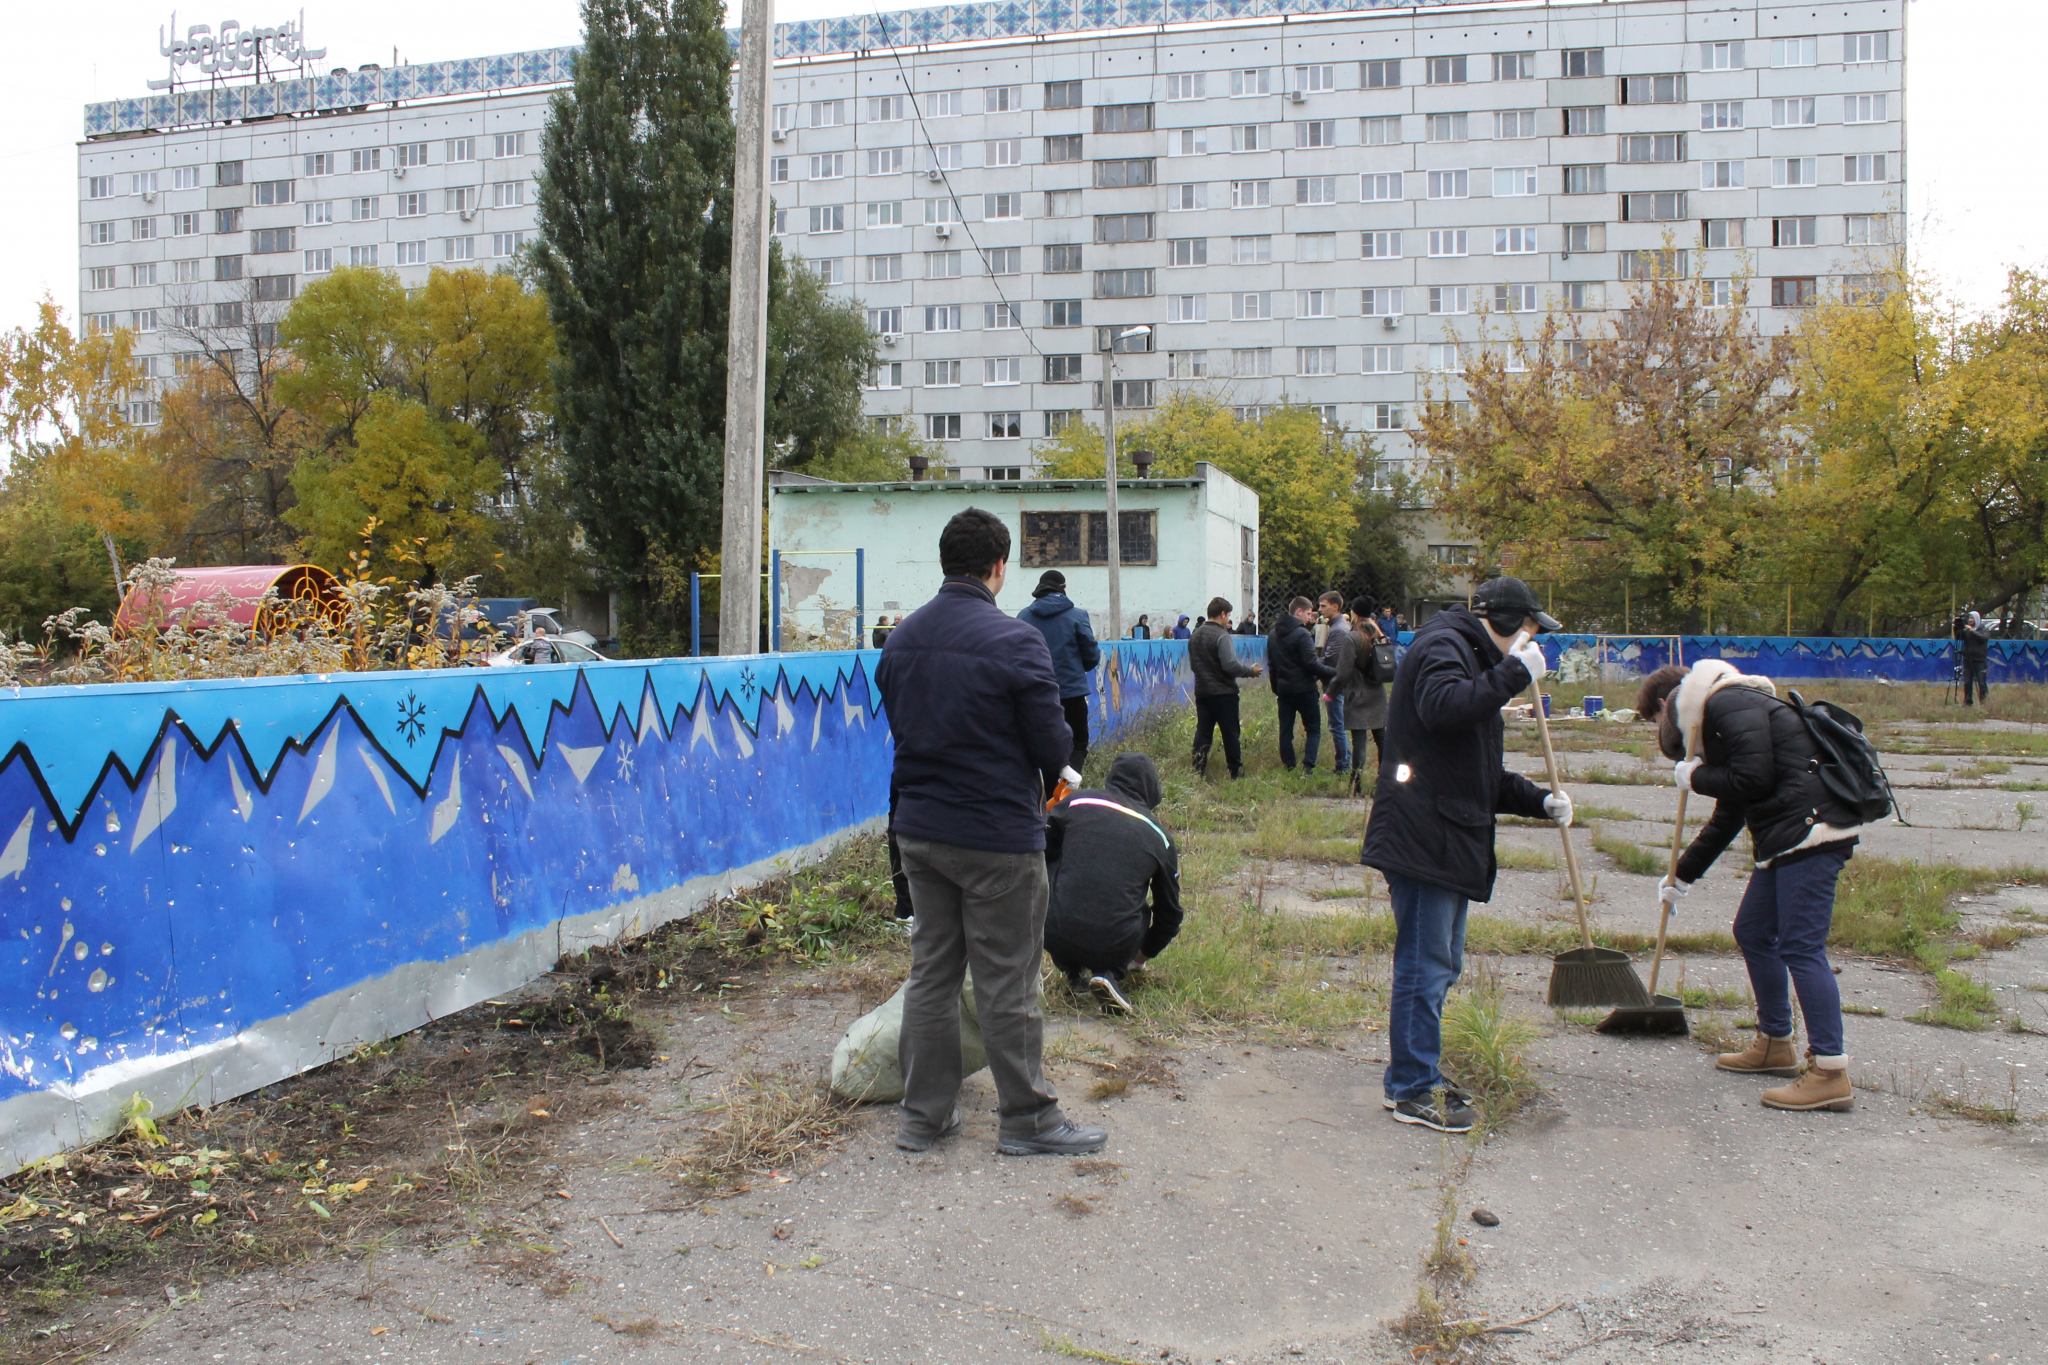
(865, 1066)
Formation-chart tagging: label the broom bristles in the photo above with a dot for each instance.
(1596, 983)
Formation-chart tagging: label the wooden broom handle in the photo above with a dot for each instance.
(1677, 841)
(1571, 858)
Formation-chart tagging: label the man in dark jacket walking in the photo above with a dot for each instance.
(1071, 643)
(1441, 783)
(1105, 852)
(1217, 668)
(1298, 677)
(975, 714)
(1974, 638)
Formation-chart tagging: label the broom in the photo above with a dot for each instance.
(1584, 975)
(1665, 1014)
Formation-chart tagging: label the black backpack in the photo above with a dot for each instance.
(1848, 765)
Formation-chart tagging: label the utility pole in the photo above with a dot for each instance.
(746, 361)
(1109, 490)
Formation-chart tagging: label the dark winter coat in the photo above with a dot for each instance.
(1761, 767)
(1068, 638)
(1214, 661)
(1441, 780)
(976, 716)
(1975, 642)
(1291, 660)
(1105, 852)
(1359, 682)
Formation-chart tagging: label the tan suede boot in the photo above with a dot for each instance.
(1765, 1056)
(1818, 1087)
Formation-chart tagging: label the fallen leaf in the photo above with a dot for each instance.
(782, 1232)
(359, 1186)
(378, 1331)
(539, 1113)
(562, 1194)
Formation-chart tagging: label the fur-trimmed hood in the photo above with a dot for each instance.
(1688, 710)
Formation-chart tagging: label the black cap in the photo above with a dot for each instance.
(1505, 600)
(1051, 581)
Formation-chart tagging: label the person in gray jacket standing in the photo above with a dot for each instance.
(1362, 686)
(1217, 668)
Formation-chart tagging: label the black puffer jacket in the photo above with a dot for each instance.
(1214, 661)
(1291, 660)
(1760, 766)
(1104, 851)
(1441, 780)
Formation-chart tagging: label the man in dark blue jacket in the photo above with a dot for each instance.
(1298, 677)
(1071, 643)
(1431, 831)
(975, 714)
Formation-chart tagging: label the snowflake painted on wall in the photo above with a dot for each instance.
(412, 718)
(748, 683)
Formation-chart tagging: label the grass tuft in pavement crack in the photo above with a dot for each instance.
(767, 1121)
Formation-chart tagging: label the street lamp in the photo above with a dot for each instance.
(1115, 547)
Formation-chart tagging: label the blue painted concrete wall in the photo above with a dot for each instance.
(208, 886)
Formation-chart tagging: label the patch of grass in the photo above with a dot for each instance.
(1340, 893)
(1895, 908)
(1582, 815)
(770, 1119)
(1583, 1018)
(1600, 775)
(1875, 1011)
(1989, 767)
(1514, 938)
(1712, 1033)
(1713, 998)
(1514, 858)
(1447, 1259)
(1061, 1346)
(1630, 856)
(1486, 1047)
(2021, 785)
(1999, 937)
(1959, 1003)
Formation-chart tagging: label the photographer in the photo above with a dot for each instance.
(1975, 638)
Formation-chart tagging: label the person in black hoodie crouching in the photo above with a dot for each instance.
(1105, 852)
(1441, 783)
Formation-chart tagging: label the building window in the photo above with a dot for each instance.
(415, 205)
(1187, 364)
(1313, 360)
(1002, 99)
(942, 374)
(1113, 339)
(1653, 147)
(1128, 393)
(227, 172)
(188, 272)
(1123, 227)
(1652, 265)
(1864, 289)
(1385, 416)
(1180, 198)
(1585, 122)
(1718, 293)
(1447, 241)
(1866, 47)
(1795, 170)
(1251, 362)
(1384, 303)
(318, 211)
(1444, 70)
(1379, 245)
(1007, 151)
(1187, 251)
(1062, 95)
(1794, 113)
(1449, 184)
(227, 267)
(1005, 426)
(827, 113)
(507, 194)
(274, 288)
(1581, 295)
(142, 230)
(1384, 131)
(828, 166)
(1860, 170)
(887, 108)
(1004, 260)
(100, 277)
(1384, 75)
(1316, 133)
(1312, 303)
(182, 225)
(828, 269)
(1251, 137)
(1244, 83)
(1514, 298)
(888, 269)
(945, 156)
(1721, 233)
(1187, 85)
(1382, 360)
(1070, 539)
(1510, 181)
(778, 170)
(361, 210)
(1443, 358)
(1582, 61)
(1062, 260)
(1251, 307)
(409, 155)
(1867, 229)
(1187, 308)
(1251, 194)
(1379, 188)
(1316, 189)
(1001, 317)
(365, 159)
(270, 241)
(185, 177)
(1863, 109)
(1794, 231)
(1652, 89)
(938, 265)
(507, 243)
(942, 426)
(508, 144)
(1660, 206)
(460, 249)
(1721, 56)
(1066, 147)
(100, 187)
(888, 213)
(943, 317)
(1058, 420)
(1584, 238)
(1514, 66)
(271, 192)
(1187, 142)
(1721, 175)
(1444, 127)
(1721, 114)
(828, 218)
(1063, 312)
(1514, 124)
(886, 374)
(1795, 52)
(944, 210)
(227, 314)
(1063, 369)
(1123, 118)
(1124, 174)
(1514, 241)
(1449, 300)
(1061, 204)
(1793, 291)
(1315, 246)
(885, 160)
(462, 149)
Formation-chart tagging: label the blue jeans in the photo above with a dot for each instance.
(1340, 743)
(1782, 929)
(1429, 952)
(1308, 706)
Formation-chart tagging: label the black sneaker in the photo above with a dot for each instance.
(1065, 1139)
(918, 1142)
(1452, 1093)
(1105, 988)
(1449, 1117)
(1077, 982)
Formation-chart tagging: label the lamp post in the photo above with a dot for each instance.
(1115, 546)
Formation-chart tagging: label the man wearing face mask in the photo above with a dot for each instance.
(1441, 783)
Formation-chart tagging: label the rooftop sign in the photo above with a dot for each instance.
(233, 50)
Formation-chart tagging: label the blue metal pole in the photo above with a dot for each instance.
(696, 616)
(860, 598)
(775, 601)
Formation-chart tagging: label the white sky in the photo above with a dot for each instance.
(1974, 210)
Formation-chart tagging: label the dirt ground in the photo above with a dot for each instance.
(542, 1176)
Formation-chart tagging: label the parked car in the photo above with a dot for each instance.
(510, 615)
(546, 649)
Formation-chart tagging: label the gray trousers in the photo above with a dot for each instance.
(985, 910)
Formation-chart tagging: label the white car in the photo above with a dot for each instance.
(546, 649)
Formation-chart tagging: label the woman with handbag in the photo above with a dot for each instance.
(1365, 665)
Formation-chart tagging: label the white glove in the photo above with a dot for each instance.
(1531, 655)
(1071, 778)
(1681, 775)
(1558, 806)
(1670, 889)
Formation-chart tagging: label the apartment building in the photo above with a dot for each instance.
(1030, 200)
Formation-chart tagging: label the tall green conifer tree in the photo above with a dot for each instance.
(636, 242)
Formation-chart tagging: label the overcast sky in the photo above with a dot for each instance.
(1972, 213)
